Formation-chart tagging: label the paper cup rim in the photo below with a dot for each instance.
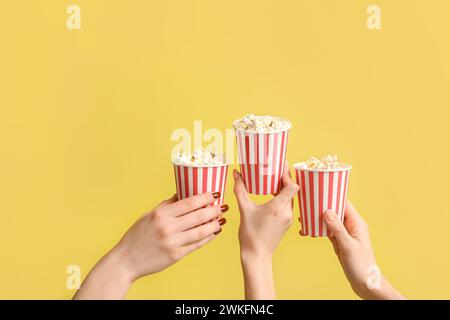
(254, 131)
(226, 164)
(347, 167)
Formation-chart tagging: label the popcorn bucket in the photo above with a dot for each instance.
(321, 190)
(193, 180)
(261, 157)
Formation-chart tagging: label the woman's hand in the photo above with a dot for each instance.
(157, 240)
(261, 229)
(352, 245)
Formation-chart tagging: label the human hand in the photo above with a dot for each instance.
(260, 231)
(352, 245)
(262, 226)
(157, 240)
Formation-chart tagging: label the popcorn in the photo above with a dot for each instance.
(200, 158)
(328, 162)
(261, 123)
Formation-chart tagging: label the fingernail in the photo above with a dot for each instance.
(235, 174)
(330, 216)
(218, 231)
(224, 208)
(216, 195)
(222, 221)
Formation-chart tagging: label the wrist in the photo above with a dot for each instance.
(109, 279)
(249, 257)
(117, 262)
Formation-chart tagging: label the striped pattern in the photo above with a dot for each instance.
(192, 181)
(320, 191)
(261, 158)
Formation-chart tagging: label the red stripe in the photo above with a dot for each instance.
(194, 178)
(304, 202)
(248, 181)
(243, 171)
(344, 200)
(214, 178)
(284, 150)
(176, 180)
(281, 157)
(213, 183)
(338, 193)
(297, 178)
(224, 182)
(321, 204)
(311, 203)
(186, 182)
(258, 164)
(330, 190)
(222, 171)
(330, 193)
(274, 162)
(205, 179)
(239, 143)
(266, 157)
(180, 195)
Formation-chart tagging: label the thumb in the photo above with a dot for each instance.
(240, 191)
(290, 188)
(337, 228)
(286, 195)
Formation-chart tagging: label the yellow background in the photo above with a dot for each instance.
(86, 118)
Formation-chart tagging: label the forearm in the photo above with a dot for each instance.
(107, 280)
(258, 277)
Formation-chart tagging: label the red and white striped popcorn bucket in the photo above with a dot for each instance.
(193, 180)
(261, 157)
(321, 190)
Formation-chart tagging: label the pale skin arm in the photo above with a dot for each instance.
(351, 243)
(157, 240)
(261, 229)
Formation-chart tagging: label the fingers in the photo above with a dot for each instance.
(240, 191)
(198, 217)
(199, 233)
(197, 245)
(336, 227)
(193, 203)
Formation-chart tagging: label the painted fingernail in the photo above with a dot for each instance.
(222, 221)
(224, 208)
(216, 195)
(218, 231)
